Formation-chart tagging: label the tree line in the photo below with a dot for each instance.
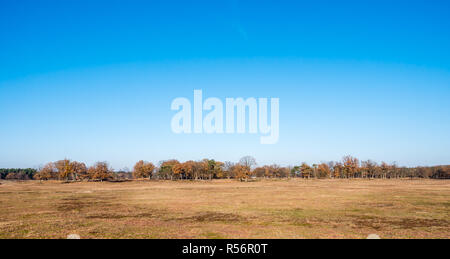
(207, 169)
(17, 173)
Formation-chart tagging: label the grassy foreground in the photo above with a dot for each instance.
(294, 208)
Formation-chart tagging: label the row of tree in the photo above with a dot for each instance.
(207, 169)
(17, 173)
(73, 170)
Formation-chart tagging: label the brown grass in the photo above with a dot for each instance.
(227, 209)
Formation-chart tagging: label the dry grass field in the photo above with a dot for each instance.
(293, 208)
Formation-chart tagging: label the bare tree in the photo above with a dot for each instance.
(370, 167)
(228, 169)
(247, 161)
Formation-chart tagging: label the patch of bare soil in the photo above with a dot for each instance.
(79, 203)
(379, 223)
(112, 215)
(216, 217)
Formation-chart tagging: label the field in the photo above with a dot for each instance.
(294, 208)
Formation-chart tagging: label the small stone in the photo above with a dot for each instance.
(73, 236)
(373, 236)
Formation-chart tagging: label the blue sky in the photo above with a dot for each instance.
(94, 80)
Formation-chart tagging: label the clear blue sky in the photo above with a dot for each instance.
(93, 80)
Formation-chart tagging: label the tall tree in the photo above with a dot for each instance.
(338, 170)
(351, 166)
(165, 169)
(100, 171)
(79, 170)
(64, 168)
(247, 161)
(215, 169)
(183, 170)
(296, 171)
(47, 172)
(241, 172)
(228, 169)
(306, 170)
(143, 169)
(324, 170)
(370, 168)
(384, 169)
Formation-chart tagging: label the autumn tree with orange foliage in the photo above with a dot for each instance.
(79, 171)
(183, 170)
(46, 173)
(241, 172)
(208, 169)
(100, 171)
(369, 168)
(64, 168)
(351, 166)
(143, 169)
(324, 170)
(166, 169)
(306, 170)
